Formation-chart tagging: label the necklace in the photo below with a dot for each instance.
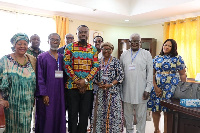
(18, 61)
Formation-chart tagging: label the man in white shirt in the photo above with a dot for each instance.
(138, 68)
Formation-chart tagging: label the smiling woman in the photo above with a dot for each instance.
(30, 24)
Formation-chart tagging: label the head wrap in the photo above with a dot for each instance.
(107, 44)
(19, 36)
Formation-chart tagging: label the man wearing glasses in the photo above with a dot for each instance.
(138, 70)
(98, 40)
(50, 101)
(69, 38)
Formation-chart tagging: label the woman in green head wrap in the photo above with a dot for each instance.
(17, 85)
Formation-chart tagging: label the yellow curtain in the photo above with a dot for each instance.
(62, 28)
(186, 32)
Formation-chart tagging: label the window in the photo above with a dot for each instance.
(12, 23)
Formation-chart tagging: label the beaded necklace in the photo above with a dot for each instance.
(18, 61)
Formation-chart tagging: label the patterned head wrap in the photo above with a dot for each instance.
(107, 44)
(19, 36)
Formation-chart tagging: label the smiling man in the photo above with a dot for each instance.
(50, 103)
(98, 40)
(81, 65)
(138, 68)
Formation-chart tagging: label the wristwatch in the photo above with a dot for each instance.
(112, 84)
(86, 82)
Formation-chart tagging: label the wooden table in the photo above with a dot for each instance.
(181, 119)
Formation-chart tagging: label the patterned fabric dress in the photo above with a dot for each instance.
(107, 114)
(167, 78)
(18, 86)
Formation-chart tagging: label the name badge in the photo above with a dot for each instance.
(58, 74)
(132, 67)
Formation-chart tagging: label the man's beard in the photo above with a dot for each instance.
(53, 48)
(83, 41)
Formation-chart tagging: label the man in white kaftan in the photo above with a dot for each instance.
(138, 68)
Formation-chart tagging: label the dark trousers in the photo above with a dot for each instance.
(78, 105)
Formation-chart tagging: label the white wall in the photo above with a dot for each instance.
(113, 33)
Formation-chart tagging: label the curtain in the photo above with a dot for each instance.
(186, 32)
(62, 28)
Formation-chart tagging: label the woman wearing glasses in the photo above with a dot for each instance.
(17, 85)
(107, 113)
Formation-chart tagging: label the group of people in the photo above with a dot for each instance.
(88, 82)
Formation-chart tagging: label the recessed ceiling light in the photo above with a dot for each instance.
(126, 20)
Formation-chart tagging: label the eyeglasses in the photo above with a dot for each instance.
(134, 41)
(108, 50)
(69, 38)
(54, 40)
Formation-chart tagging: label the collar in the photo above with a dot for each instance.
(31, 49)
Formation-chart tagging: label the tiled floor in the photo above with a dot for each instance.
(149, 126)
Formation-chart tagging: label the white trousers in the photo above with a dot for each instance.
(140, 110)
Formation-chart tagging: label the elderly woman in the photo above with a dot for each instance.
(107, 114)
(169, 69)
(17, 85)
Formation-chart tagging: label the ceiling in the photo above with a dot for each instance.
(114, 12)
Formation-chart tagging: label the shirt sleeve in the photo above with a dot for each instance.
(4, 84)
(40, 78)
(180, 63)
(68, 64)
(149, 73)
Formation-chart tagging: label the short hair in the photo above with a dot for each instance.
(54, 34)
(33, 36)
(82, 26)
(134, 35)
(97, 37)
(69, 34)
(173, 51)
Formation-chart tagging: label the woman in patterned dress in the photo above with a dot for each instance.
(107, 114)
(169, 69)
(17, 85)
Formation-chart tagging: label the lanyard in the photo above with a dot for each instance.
(55, 59)
(107, 64)
(134, 56)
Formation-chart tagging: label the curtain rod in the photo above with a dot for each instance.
(25, 13)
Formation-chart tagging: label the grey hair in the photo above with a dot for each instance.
(54, 34)
(69, 34)
(134, 35)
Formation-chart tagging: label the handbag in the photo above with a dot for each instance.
(187, 90)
